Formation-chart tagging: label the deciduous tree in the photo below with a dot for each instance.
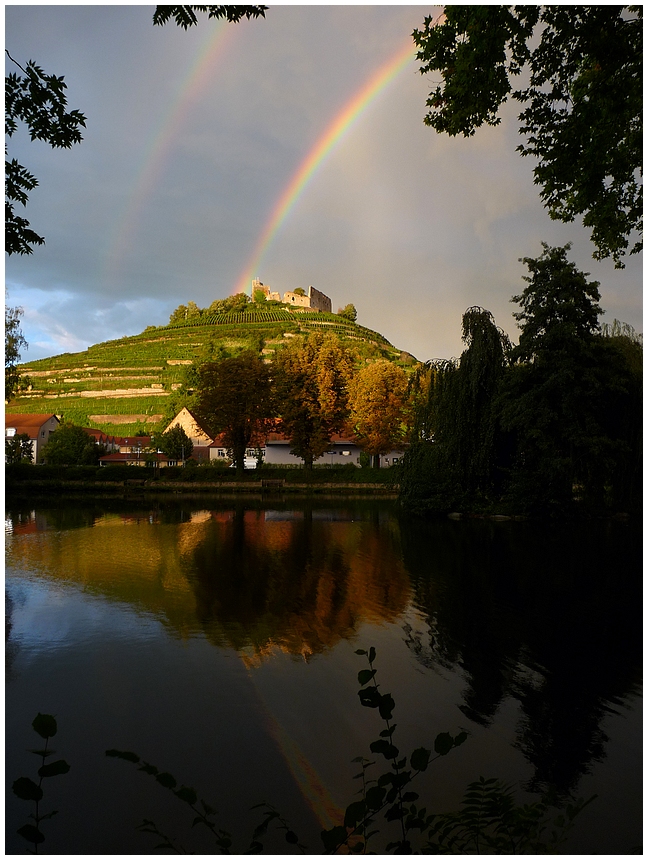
(378, 402)
(14, 343)
(234, 398)
(19, 449)
(349, 312)
(552, 395)
(175, 443)
(312, 378)
(70, 445)
(582, 116)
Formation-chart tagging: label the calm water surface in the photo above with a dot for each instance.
(217, 640)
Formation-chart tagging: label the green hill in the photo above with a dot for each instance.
(136, 383)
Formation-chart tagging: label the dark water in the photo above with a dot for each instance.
(218, 643)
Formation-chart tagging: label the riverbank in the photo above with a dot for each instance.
(21, 481)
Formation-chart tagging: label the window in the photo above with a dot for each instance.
(395, 460)
(346, 453)
(43, 433)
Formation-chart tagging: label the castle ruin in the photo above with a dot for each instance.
(311, 299)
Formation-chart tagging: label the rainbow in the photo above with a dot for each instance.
(318, 154)
(154, 156)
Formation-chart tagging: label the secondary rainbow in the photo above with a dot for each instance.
(154, 157)
(318, 154)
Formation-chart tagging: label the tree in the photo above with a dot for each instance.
(19, 449)
(349, 312)
(70, 445)
(552, 396)
(235, 398)
(312, 378)
(14, 343)
(38, 100)
(582, 116)
(378, 402)
(185, 16)
(175, 443)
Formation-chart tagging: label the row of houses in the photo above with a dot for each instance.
(274, 449)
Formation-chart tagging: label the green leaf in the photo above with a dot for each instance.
(44, 725)
(369, 697)
(409, 796)
(291, 837)
(255, 848)
(55, 768)
(420, 758)
(443, 743)
(189, 796)
(166, 780)
(31, 833)
(372, 654)
(148, 768)
(384, 748)
(354, 813)
(375, 797)
(361, 652)
(43, 753)
(386, 706)
(357, 848)
(127, 756)
(387, 733)
(365, 675)
(394, 812)
(461, 737)
(26, 789)
(333, 838)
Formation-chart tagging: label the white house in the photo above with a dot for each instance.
(37, 427)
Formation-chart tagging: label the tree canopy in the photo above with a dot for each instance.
(312, 378)
(70, 445)
(185, 16)
(378, 400)
(19, 449)
(39, 101)
(234, 398)
(14, 344)
(175, 443)
(582, 93)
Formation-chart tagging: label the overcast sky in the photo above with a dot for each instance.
(166, 197)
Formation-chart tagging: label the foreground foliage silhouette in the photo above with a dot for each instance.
(490, 820)
(26, 789)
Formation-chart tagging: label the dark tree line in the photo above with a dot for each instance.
(551, 425)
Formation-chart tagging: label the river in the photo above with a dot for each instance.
(217, 640)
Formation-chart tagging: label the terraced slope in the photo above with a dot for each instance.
(123, 385)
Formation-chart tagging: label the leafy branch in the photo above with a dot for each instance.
(26, 789)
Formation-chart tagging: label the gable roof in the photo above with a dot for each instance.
(27, 423)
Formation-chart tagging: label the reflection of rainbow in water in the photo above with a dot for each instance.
(189, 90)
(313, 790)
(318, 154)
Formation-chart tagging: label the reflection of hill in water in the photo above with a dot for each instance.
(298, 582)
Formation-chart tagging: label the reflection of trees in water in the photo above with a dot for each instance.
(298, 585)
(548, 614)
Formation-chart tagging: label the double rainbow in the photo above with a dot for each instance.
(155, 155)
(317, 156)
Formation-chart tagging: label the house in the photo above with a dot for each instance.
(202, 441)
(342, 450)
(38, 427)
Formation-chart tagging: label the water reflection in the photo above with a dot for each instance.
(548, 615)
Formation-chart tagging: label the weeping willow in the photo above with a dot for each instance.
(454, 452)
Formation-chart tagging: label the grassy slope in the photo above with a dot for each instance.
(143, 375)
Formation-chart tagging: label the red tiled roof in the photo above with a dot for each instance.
(24, 423)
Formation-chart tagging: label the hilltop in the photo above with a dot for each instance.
(135, 383)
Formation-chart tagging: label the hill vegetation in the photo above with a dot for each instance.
(137, 383)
